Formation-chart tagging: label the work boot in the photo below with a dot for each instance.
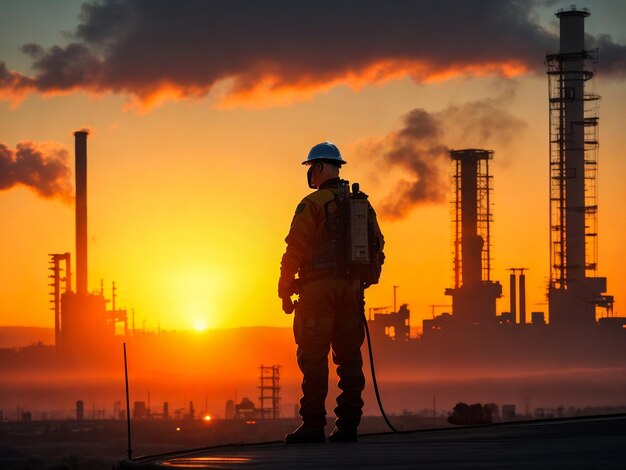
(305, 434)
(343, 435)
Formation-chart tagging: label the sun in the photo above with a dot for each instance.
(200, 325)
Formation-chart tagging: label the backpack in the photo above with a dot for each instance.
(351, 245)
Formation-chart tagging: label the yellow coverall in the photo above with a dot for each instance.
(329, 315)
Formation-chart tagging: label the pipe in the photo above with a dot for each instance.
(81, 211)
(513, 297)
(522, 298)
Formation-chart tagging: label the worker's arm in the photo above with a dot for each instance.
(298, 245)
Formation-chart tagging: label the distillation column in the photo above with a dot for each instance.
(572, 43)
(474, 294)
(574, 290)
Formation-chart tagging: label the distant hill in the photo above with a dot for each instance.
(18, 336)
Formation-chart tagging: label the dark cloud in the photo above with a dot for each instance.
(269, 51)
(420, 149)
(611, 56)
(14, 85)
(41, 167)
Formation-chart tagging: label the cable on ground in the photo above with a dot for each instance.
(380, 403)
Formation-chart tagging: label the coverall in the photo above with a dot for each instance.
(329, 314)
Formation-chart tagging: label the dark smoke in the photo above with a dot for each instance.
(161, 49)
(41, 167)
(479, 123)
(420, 149)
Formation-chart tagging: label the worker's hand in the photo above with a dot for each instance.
(288, 305)
(285, 288)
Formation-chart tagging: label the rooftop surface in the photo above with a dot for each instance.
(589, 442)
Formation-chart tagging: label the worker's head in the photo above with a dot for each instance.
(324, 161)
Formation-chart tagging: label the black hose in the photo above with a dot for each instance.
(380, 403)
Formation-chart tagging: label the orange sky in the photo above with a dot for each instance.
(190, 200)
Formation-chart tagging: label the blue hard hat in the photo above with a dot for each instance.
(325, 151)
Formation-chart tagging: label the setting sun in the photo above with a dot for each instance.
(200, 325)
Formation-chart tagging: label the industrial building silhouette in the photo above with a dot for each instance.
(84, 325)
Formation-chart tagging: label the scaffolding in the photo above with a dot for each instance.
(269, 386)
(483, 206)
(562, 83)
(56, 279)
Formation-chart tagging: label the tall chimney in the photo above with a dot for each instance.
(574, 290)
(81, 211)
(474, 300)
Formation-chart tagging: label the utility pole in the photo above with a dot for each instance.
(394, 298)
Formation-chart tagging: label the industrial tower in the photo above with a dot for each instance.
(474, 293)
(575, 290)
(83, 325)
(269, 386)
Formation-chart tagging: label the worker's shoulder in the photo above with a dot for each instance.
(320, 197)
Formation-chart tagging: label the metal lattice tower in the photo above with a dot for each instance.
(269, 386)
(573, 164)
(55, 276)
(574, 289)
(474, 293)
(472, 215)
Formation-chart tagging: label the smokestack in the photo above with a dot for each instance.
(474, 301)
(522, 298)
(574, 291)
(513, 299)
(81, 211)
(572, 32)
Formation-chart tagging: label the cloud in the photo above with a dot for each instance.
(246, 52)
(611, 56)
(13, 85)
(419, 149)
(41, 167)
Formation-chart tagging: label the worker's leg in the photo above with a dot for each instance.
(313, 326)
(348, 336)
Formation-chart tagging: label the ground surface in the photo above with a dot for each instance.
(591, 442)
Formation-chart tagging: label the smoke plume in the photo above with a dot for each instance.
(41, 167)
(420, 149)
(246, 52)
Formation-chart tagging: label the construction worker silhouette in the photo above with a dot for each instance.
(329, 312)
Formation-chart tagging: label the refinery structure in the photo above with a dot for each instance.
(474, 293)
(581, 328)
(575, 290)
(85, 326)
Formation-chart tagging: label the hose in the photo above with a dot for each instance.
(374, 381)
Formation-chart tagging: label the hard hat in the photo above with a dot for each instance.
(325, 151)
